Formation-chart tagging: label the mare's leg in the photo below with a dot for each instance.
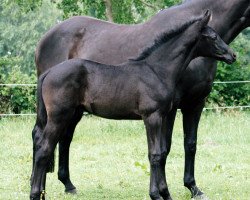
(45, 147)
(157, 154)
(191, 118)
(64, 144)
(167, 128)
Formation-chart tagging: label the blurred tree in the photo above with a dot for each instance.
(109, 14)
(22, 29)
(127, 11)
(28, 5)
(22, 25)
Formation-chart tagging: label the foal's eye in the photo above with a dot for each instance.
(214, 37)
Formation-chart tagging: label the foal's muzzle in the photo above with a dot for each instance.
(230, 57)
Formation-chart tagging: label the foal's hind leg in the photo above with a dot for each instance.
(36, 136)
(64, 144)
(36, 133)
(44, 149)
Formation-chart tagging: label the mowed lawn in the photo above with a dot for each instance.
(108, 159)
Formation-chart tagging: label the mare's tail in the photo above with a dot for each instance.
(42, 116)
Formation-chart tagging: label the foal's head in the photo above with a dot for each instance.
(193, 37)
(211, 45)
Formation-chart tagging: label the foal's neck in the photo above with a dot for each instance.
(172, 58)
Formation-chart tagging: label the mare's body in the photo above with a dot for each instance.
(74, 38)
(142, 88)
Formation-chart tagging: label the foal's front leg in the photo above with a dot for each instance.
(157, 154)
(167, 129)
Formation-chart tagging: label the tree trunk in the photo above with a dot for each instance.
(148, 4)
(109, 13)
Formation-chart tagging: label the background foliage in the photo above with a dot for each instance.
(23, 22)
(237, 93)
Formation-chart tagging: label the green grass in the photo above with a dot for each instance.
(109, 159)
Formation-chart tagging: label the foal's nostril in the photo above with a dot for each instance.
(234, 56)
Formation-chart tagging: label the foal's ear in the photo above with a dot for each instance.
(207, 16)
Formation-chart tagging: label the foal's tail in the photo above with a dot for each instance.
(41, 120)
(41, 110)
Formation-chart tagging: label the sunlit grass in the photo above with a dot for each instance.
(108, 159)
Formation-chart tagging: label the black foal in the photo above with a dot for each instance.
(142, 88)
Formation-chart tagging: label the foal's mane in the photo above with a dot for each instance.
(165, 37)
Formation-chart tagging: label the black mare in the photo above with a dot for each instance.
(141, 88)
(74, 38)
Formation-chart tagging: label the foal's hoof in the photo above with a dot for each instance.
(35, 197)
(200, 197)
(71, 191)
(166, 197)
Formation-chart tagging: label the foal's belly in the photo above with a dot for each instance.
(111, 102)
(111, 111)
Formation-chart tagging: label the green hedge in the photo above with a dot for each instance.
(22, 25)
(16, 99)
(236, 94)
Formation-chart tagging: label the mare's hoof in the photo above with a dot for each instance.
(197, 194)
(71, 191)
(200, 197)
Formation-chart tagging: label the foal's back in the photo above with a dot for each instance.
(108, 91)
